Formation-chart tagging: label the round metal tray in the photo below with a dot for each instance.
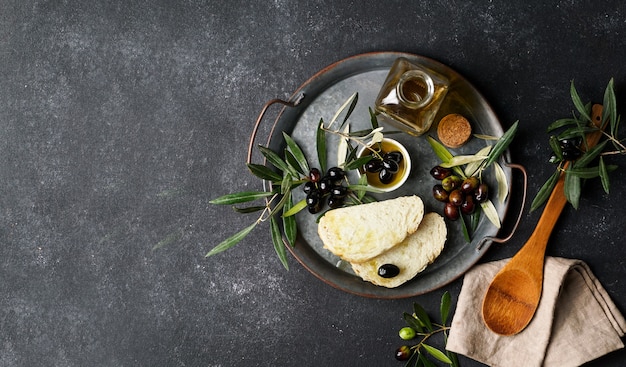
(321, 96)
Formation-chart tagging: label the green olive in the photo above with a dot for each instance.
(407, 333)
(451, 182)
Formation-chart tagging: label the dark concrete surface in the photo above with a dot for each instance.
(120, 120)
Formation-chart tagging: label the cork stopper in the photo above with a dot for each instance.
(454, 130)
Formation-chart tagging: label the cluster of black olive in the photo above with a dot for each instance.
(386, 167)
(328, 188)
(459, 195)
(570, 148)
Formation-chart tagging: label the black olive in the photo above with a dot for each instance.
(456, 197)
(335, 202)
(468, 206)
(393, 156)
(314, 209)
(440, 173)
(482, 193)
(570, 142)
(403, 353)
(336, 174)
(440, 194)
(571, 154)
(391, 166)
(451, 211)
(388, 271)
(375, 165)
(309, 186)
(313, 198)
(470, 184)
(385, 176)
(325, 185)
(339, 191)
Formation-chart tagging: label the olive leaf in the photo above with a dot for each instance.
(437, 353)
(425, 361)
(593, 172)
(170, 238)
(421, 315)
(560, 123)
(240, 197)
(441, 152)
(502, 144)
(556, 147)
(295, 209)
(545, 191)
(609, 112)
(291, 160)
(249, 209)
(503, 185)
(490, 211)
(263, 172)
(582, 110)
(232, 241)
(473, 167)
(350, 104)
(460, 160)
(321, 145)
(276, 161)
(289, 222)
(297, 153)
(466, 232)
(572, 188)
(604, 175)
(413, 322)
(277, 240)
(444, 307)
(342, 148)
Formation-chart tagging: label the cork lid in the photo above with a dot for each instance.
(454, 130)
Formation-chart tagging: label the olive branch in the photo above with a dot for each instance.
(576, 161)
(291, 171)
(420, 325)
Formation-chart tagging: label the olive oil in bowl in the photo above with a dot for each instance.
(390, 166)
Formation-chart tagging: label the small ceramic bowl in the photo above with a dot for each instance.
(404, 165)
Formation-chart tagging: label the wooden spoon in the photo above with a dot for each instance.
(513, 295)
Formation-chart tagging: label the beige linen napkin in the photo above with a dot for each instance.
(576, 321)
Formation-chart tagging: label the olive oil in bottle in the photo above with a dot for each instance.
(411, 96)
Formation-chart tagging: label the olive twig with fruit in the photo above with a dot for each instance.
(292, 170)
(569, 147)
(461, 186)
(421, 325)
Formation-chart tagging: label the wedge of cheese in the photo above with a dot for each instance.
(411, 255)
(361, 232)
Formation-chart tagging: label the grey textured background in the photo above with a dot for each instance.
(120, 120)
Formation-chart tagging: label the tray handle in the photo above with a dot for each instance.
(267, 105)
(519, 216)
